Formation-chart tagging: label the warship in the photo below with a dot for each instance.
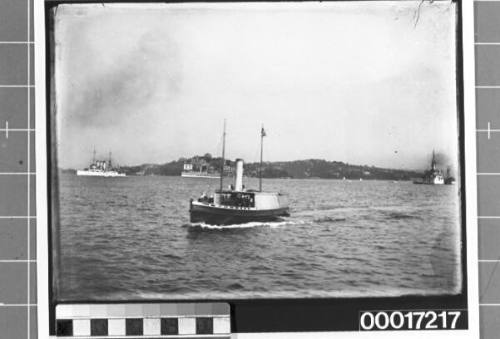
(433, 176)
(100, 168)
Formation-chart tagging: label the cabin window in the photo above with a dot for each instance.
(237, 199)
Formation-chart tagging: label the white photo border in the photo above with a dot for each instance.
(469, 136)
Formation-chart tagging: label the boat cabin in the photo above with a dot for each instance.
(234, 199)
(243, 199)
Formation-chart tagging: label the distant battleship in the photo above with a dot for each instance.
(202, 172)
(434, 176)
(100, 168)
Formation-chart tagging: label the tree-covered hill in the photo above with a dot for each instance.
(299, 169)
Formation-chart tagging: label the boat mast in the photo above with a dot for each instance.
(433, 161)
(93, 157)
(109, 160)
(223, 154)
(262, 135)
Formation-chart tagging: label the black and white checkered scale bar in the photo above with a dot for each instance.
(182, 320)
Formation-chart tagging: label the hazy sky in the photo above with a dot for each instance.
(354, 82)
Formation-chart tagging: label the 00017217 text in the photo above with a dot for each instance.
(412, 320)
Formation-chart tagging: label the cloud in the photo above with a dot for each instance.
(338, 81)
(101, 97)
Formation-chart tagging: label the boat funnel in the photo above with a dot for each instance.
(238, 183)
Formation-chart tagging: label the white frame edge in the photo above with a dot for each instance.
(471, 198)
(42, 248)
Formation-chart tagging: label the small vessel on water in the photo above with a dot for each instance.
(238, 205)
(193, 174)
(433, 176)
(198, 169)
(100, 168)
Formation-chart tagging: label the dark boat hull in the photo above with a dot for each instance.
(228, 216)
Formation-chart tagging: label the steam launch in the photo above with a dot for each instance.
(238, 205)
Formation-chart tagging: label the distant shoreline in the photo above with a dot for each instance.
(73, 172)
(297, 169)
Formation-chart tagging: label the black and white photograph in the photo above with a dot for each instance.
(246, 150)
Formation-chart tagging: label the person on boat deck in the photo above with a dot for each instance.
(246, 201)
(203, 197)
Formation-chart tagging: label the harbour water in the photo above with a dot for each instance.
(130, 238)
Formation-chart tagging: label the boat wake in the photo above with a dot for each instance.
(327, 219)
(253, 224)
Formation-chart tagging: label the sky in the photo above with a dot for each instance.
(369, 83)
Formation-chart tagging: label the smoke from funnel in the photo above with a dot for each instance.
(443, 162)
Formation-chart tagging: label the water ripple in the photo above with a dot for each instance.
(132, 238)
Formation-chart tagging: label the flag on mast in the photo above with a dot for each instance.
(263, 132)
